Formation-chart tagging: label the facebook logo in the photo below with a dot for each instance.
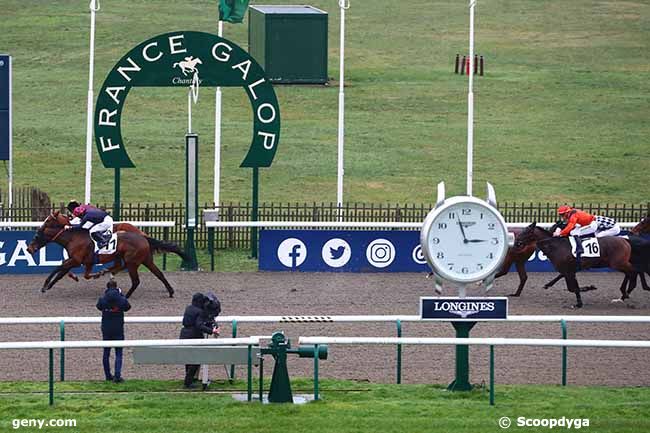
(292, 252)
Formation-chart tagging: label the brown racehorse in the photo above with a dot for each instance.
(639, 256)
(641, 229)
(121, 227)
(615, 253)
(525, 245)
(517, 254)
(133, 250)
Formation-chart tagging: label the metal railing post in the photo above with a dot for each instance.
(234, 335)
(166, 239)
(250, 373)
(399, 353)
(564, 351)
(315, 371)
(211, 247)
(62, 353)
(261, 361)
(51, 377)
(491, 375)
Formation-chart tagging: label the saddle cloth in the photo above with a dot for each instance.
(590, 246)
(110, 248)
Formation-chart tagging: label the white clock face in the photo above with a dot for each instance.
(464, 240)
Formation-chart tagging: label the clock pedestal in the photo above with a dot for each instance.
(461, 383)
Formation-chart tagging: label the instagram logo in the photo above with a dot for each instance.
(380, 253)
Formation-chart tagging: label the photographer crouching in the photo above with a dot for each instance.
(199, 319)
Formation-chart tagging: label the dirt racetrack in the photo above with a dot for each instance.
(337, 294)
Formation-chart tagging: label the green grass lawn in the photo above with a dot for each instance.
(345, 406)
(231, 260)
(560, 116)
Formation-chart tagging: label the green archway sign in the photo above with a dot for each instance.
(172, 60)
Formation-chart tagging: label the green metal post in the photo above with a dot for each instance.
(211, 247)
(234, 335)
(261, 378)
(461, 383)
(399, 353)
(51, 386)
(191, 199)
(250, 373)
(62, 360)
(491, 375)
(165, 238)
(117, 198)
(315, 371)
(564, 337)
(255, 214)
(190, 250)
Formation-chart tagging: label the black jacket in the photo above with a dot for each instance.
(113, 305)
(197, 320)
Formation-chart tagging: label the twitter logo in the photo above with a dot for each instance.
(336, 253)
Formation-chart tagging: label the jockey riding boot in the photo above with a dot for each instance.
(579, 251)
(106, 237)
(99, 239)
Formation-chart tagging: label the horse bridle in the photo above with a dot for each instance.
(57, 233)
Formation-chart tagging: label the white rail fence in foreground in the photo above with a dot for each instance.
(318, 319)
(317, 341)
(563, 320)
(475, 341)
(51, 345)
(491, 342)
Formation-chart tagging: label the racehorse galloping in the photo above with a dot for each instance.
(517, 254)
(121, 227)
(132, 251)
(642, 229)
(525, 245)
(615, 253)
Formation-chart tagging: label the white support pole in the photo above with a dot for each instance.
(94, 7)
(470, 101)
(217, 137)
(343, 4)
(10, 196)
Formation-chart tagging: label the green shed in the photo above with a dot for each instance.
(290, 42)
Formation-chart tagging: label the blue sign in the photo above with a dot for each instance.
(341, 251)
(354, 251)
(14, 258)
(5, 106)
(455, 309)
(5, 73)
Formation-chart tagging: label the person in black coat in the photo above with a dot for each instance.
(199, 319)
(113, 304)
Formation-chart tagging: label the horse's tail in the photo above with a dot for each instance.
(165, 247)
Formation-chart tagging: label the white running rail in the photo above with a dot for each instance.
(129, 343)
(135, 223)
(475, 341)
(355, 224)
(316, 319)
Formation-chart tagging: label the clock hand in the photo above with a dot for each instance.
(477, 240)
(462, 230)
